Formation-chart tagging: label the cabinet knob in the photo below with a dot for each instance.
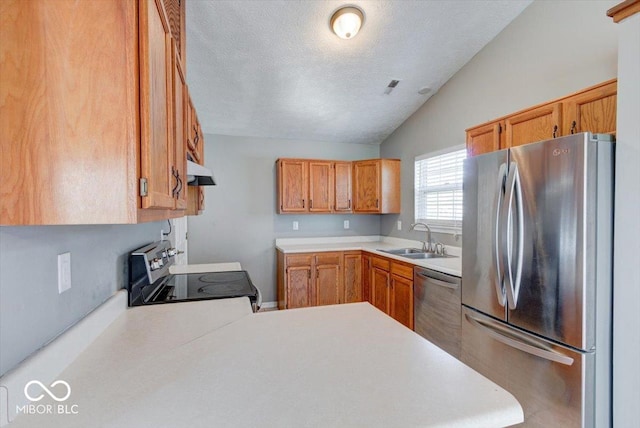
(555, 131)
(573, 127)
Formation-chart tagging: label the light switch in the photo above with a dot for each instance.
(295, 225)
(346, 224)
(399, 224)
(64, 272)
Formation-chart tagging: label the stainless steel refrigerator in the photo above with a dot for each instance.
(537, 276)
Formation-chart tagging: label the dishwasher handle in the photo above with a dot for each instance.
(452, 285)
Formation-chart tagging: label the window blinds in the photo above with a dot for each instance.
(438, 189)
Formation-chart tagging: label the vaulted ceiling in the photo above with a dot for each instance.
(275, 69)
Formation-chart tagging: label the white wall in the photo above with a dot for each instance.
(32, 312)
(626, 270)
(240, 221)
(552, 49)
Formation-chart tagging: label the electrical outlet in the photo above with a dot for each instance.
(295, 225)
(346, 224)
(64, 272)
(399, 224)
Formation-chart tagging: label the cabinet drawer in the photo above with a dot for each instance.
(298, 260)
(328, 258)
(402, 270)
(380, 263)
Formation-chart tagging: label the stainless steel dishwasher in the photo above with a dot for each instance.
(437, 308)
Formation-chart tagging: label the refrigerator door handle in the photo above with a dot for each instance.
(512, 282)
(498, 252)
(520, 232)
(513, 338)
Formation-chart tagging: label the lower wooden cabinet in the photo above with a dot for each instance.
(392, 289)
(366, 278)
(299, 281)
(329, 278)
(316, 279)
(352, 278)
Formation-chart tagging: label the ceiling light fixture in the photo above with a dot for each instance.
(347, 21)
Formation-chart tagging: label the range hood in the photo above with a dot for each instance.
(197, 175)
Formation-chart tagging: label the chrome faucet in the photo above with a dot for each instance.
(426, 248)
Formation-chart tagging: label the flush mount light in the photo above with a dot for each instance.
(346, 22)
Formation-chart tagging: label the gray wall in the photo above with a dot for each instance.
(240, 221)
(552, 49)
(626, 270)
(31, 310)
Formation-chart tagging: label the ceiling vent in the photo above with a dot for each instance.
(390, 86)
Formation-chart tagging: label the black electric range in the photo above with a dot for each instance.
(151, 283)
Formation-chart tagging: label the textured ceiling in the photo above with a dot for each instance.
(274, 68)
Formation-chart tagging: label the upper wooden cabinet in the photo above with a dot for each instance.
(81, 142)
(592, 109)
(376, 186)
(342, 187)
(293, 187)
(313, 186)
(320, 186)
(176, 15)
(485, 138)
(537, 124)
(180, 104)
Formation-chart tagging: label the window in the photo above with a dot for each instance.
(438, 189)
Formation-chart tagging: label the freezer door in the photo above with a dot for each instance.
(551, 246)
(551, 383)
(483, 189)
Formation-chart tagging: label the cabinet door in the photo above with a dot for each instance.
(299, 284)
(342, 186)
(299, 287)
(180, 134)
(292, 185)
(593, 111)
(366, 279)
(484, 139)
(538, 124)
(320, 186)
(366, 185)
(193, 138)
(328, 282)
(156, 146)
(352, 282)
(401, 305)
(380, 288)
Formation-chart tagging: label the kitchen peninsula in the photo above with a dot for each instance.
(215, 363)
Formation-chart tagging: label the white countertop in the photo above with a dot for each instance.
(214, 363)
(449, 265)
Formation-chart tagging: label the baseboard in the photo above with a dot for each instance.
(269, 305)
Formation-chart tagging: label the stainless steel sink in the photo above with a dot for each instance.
(403, 251)
(427, 256)
(414, 253)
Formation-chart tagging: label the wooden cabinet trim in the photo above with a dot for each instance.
(624, 10)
